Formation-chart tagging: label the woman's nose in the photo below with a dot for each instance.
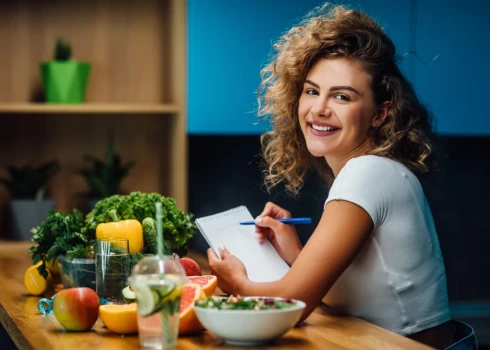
(321, 107)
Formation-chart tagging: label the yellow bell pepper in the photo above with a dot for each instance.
(129, 229)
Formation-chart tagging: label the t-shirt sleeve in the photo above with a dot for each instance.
(364, 181)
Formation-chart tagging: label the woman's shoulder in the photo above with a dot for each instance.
(375, 164)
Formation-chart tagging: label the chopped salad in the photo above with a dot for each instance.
(238, 303)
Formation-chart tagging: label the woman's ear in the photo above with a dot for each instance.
(381, 114)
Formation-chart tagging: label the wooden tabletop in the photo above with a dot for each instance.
(29, 329)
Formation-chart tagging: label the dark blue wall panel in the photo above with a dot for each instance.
(456, 85)
(229, 42)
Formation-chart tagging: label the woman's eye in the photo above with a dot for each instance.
(312, 92)
(342, 97)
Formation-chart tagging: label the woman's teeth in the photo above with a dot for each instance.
(323, 128)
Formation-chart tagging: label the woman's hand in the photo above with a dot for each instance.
(230, 270)
(282, 236)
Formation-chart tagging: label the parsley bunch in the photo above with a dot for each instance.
(59, 234)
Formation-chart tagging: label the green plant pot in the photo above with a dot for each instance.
(65, 82)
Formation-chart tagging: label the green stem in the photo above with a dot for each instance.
(113, 215)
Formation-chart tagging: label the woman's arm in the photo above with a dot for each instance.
(341, 233)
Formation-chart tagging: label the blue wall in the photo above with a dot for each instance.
(230, 41)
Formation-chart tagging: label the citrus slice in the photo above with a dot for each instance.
(188, 322)
(120, 319)
(207, 282)
(148, 300)
(152, 295)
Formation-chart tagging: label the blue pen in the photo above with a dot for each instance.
(292, 221)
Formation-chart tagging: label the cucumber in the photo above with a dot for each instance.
(128, 295)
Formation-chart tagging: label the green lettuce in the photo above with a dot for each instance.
(178, 227)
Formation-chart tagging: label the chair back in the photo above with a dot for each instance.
(465, 337)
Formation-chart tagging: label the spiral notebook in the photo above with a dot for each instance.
(261, 260)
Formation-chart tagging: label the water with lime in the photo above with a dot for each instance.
(158, 285)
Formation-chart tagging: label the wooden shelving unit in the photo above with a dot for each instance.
(137, 89)
(88, 108)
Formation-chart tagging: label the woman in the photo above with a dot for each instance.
(339, 104)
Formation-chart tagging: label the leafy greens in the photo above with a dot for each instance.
(73, 235)
(59, 234)
(178, 227)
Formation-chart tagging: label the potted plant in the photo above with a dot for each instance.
(64, 80)
(104, 177)
(27, 186)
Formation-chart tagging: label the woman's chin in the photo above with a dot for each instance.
(318, 152)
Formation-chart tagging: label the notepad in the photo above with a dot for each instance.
(261, 260)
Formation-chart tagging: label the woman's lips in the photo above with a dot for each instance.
(322, 132)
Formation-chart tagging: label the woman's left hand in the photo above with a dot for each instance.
(229, 269)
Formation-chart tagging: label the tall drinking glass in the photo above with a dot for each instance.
(158, 284)
(112, 268)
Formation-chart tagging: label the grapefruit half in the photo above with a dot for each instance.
(208, 283)
(188, 322)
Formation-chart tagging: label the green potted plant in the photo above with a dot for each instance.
(27, 187)
(104, 177)
(64, 80)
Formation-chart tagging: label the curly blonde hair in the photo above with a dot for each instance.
(334, 31)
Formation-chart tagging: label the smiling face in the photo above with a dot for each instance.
(336, 111)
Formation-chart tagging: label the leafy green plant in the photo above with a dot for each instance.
(178, 227)
(59, 234)
(104, 177)
(62, 50)
(29, 182)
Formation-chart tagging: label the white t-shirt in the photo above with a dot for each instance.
(398, 280)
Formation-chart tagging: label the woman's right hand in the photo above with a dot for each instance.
(283, 237)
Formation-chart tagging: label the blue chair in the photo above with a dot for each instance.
(465, 337)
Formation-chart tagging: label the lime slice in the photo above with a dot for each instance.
(164, 290)
(128, 295)
(151, 297)
(176, 291)
(147, 299)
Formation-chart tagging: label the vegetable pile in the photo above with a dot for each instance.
(73, 236)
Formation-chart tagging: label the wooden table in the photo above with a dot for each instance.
(31, 330)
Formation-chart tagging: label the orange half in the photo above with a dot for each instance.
(120, 318)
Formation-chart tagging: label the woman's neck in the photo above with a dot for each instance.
(337, 163)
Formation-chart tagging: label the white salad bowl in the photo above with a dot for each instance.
(250, 327)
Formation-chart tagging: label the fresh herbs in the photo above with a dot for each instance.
(59, 234)
(73, 235)
(178, 227)
(238, 303)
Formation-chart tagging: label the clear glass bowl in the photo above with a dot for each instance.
(77, 272)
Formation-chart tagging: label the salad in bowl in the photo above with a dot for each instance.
(248, 320)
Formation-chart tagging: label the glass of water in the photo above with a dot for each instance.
(159, 284)
(112, 266)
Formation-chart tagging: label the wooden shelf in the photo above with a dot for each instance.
(87, 108)
(137, 89)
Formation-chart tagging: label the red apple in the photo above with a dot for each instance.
(76, 309)
(190, 266)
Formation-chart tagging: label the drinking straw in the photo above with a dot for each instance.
(158, 206)
(168, 338)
